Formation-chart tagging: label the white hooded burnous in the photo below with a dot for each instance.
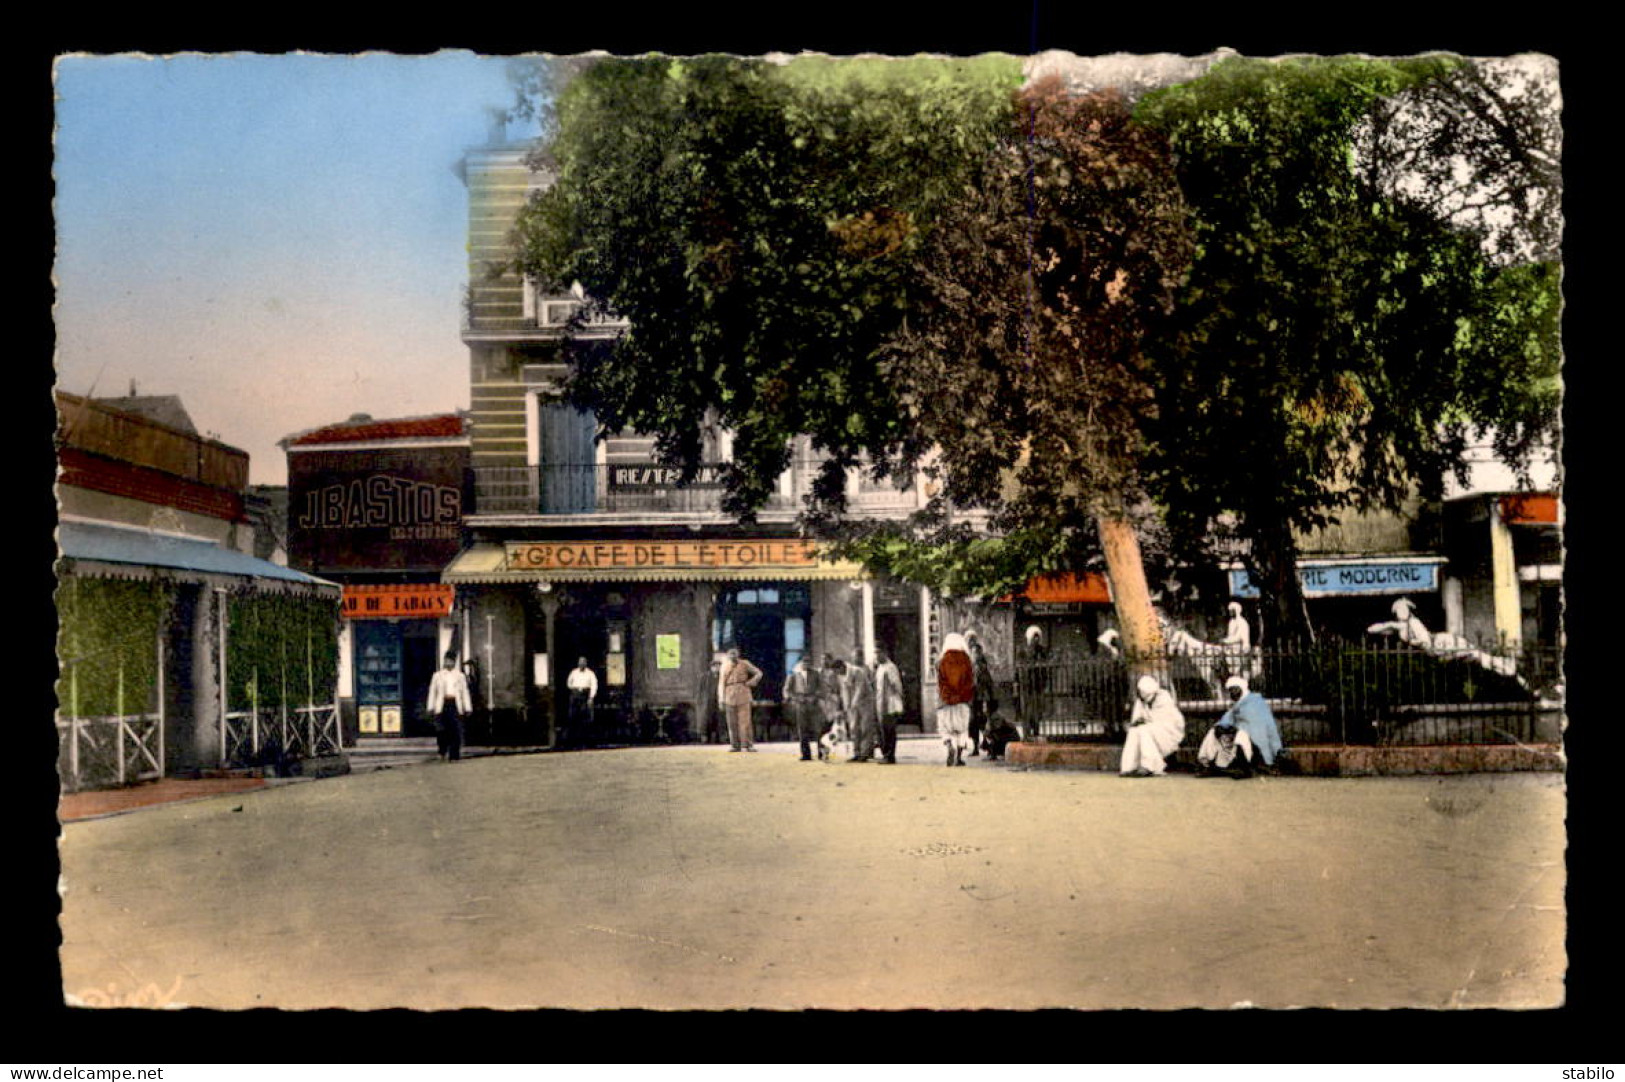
(1155, 729)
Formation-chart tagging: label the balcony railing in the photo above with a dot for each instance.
(642, 488)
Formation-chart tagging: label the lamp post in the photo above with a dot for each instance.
(550, 610)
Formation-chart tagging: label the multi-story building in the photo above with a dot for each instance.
(158, 586)
(583, 546)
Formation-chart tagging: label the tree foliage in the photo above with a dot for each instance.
(1334, 347)
(1479, 147)
(754, 224)
(1256, 298)
(1019, 364)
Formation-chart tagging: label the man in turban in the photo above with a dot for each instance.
(1225, 751)
(956, 687)
(1155, 728)
(1251, 715)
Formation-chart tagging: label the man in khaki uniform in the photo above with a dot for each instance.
(739, 679)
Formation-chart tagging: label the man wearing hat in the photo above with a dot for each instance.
(1252, 717)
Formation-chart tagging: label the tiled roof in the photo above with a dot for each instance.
(166, 409)
(442, 426)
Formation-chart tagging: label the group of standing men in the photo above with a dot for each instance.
(863, 703)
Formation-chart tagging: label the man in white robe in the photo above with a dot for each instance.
(1155, 728)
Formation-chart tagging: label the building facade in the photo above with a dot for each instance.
(581, 545)
(1506, 539)
(167, 621)
(377, 506)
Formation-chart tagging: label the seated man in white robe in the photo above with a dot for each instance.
(1155, 728)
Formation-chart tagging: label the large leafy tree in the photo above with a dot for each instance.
(905, 262)
(774, 231)
(1337, 342)
(1019, 364)
(753, 221)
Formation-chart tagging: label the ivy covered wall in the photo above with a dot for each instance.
(107, 639)
(281, 648)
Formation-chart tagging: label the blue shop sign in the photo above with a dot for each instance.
(1369, 577)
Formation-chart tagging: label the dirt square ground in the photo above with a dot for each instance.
(692, 877)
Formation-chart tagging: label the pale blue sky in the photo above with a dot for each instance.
(280, 240)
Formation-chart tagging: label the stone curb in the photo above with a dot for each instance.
(1324, 760)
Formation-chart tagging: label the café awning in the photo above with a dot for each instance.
(1531, 509)
(1068, 588)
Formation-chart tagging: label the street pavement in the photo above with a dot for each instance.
(694, 877)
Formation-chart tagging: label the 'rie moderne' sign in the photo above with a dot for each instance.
(1365, 577)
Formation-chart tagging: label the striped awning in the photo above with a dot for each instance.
(647, 561)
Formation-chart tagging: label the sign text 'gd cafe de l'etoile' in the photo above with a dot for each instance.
(567, 556)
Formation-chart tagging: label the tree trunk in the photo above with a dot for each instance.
(1131, 595)
(1275, 551)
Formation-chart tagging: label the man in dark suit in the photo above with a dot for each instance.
(801, 701)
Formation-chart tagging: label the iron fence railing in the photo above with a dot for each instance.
(103, 752)
(1338, 692)
(278, 737)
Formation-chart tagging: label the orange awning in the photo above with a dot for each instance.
(1534, 509)
(1067, 587)
(413, 601)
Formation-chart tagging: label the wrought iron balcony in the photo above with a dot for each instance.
(648, 489)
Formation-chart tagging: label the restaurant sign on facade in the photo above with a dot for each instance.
(1364, 577)
(642, 477)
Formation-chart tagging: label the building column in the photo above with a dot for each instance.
(1455, 621)
(550, 611)
(1504, 580)
(928, 665)
(866, 622)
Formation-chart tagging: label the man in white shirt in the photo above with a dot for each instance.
(889, 703)
(449, 702)
(582, 684)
